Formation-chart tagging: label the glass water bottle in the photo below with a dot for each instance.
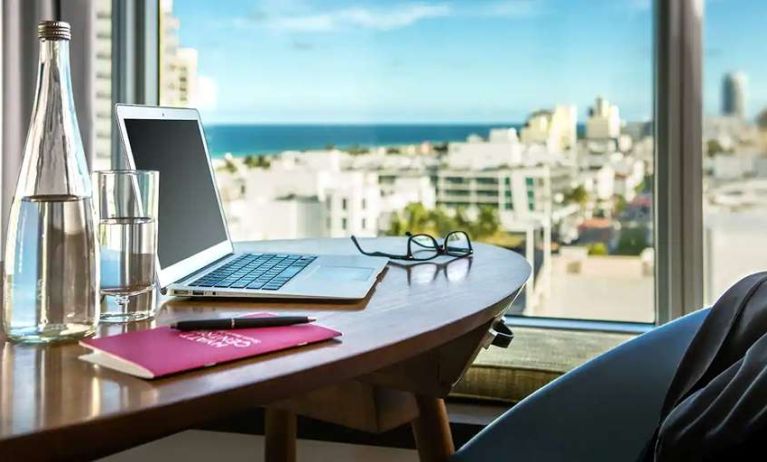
(51, 275)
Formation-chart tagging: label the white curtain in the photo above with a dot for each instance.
(18, 60)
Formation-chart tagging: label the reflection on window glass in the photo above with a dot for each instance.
(734, 143)
(524, 122)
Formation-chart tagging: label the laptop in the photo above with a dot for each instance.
(196, 257)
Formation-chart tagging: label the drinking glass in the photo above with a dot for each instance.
(126, 208)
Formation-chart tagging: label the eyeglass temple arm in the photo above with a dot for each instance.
(374, 254)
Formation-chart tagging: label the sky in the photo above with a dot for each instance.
(447, 61)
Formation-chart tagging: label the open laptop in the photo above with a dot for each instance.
(195, 253)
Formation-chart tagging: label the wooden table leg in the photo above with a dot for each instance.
(432, 430)
(280, 436)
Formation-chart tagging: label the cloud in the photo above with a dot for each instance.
(512, 9)
(300, 17)
(640, 5)
(380, 19)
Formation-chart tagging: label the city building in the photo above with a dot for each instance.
(178, 65)
(556, 130)
(502, 148)
(734, 95)
(102, 86)
(604, 121)
(517, 193)
(599, 182)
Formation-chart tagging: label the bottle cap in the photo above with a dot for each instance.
(54, 30)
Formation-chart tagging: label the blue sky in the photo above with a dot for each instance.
(365, 61)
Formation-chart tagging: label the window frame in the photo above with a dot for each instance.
(135, 59)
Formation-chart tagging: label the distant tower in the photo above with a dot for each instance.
(734, 95)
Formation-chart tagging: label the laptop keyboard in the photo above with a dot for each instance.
(256, 271)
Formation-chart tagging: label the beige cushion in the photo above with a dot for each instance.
(534, 358)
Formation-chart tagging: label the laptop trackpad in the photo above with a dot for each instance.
(342, 273)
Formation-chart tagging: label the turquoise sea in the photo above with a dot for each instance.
(243, 140)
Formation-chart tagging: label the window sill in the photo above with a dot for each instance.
(536, 356)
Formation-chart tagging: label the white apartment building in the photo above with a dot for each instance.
(102, 86)
(600, 182)
(282, 218)
(629, 175)
(604, 121)
(502, 148)
(178, 66)
(186, 68)
(266, 203)
(519, 194)
(556, 130)
(352, 205)
(400, 188)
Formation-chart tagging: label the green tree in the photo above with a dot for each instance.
(761, 120)
(632, 240)
(416, 218)
(619, 205)
(356, 150)
(443, 222)
(486, 224)
(598, 248)
(440, 148)
(397, 226)
(229, 166)
(577, 195)
(461, 220)
(256, 162)
(714, 147)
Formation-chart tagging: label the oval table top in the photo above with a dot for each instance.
(49, 397)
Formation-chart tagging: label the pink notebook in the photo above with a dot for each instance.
(163, 351)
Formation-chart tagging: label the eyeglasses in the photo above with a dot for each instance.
(423, 247)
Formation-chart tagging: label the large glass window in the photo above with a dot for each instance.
(525, 122)
(734, 142)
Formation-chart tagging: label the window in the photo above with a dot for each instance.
(487, 181)
(561, 124)
(734, 143)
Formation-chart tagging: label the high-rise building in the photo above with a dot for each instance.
(102, 85)
(555, 129)
(734, 94)
(178, 66)
(604, 121)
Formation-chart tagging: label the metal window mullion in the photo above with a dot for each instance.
(135, 32)
(678, 158)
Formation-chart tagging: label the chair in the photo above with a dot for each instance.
(604, 410)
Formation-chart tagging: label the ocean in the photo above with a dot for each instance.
(242, 140)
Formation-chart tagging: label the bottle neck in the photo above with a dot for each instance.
(54, 84)
(54, 158)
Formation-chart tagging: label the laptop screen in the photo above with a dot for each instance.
(190, 220)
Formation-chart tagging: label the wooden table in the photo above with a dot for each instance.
(412, 336)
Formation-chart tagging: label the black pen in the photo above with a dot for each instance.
(240, 323)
